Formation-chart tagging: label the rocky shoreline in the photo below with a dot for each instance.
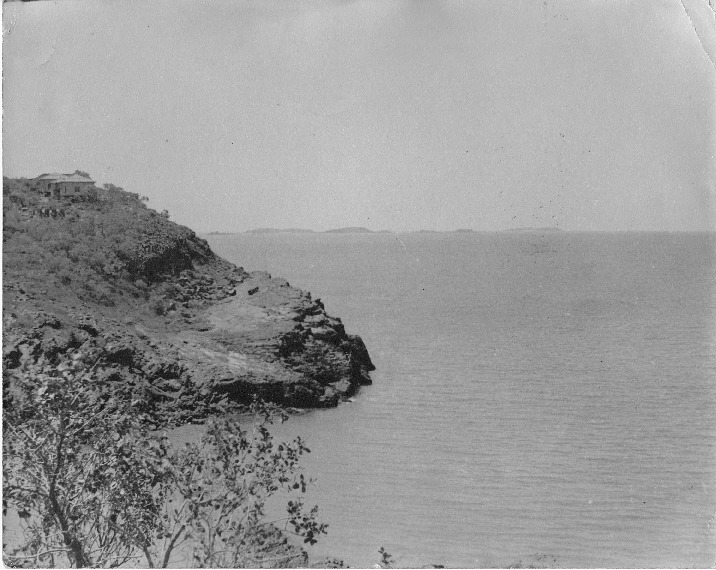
(266, 339)
(160, 312)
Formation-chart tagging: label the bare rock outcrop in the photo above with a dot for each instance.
(276, 343)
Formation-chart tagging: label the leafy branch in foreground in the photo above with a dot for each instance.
(91, 486)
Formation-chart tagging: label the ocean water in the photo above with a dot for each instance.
(538, 396)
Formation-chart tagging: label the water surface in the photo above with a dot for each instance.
(535, 394)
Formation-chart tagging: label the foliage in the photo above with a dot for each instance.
(386, 559)
(93, 487)
(106, 243)
(69, 469)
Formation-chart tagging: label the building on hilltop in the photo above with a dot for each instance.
(56, 185)
(44, 182)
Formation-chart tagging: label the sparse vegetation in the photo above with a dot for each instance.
(111, 240)
(386, 559)
(93, 487)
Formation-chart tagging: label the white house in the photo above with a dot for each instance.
(64, 185)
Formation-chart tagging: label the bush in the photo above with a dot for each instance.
(170, 290)
(93, 487)
(157, 307)
(96, 291)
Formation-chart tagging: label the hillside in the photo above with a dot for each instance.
(147, 304)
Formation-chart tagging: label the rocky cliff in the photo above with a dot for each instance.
(146, 303)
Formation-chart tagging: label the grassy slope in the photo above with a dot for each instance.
(108, 250)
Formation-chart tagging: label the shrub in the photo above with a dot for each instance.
(93, 487)
(82, 228)
(158, 307)
(80, 252)
(96, 291)
(170, 290)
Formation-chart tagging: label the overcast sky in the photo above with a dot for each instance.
(403, 115)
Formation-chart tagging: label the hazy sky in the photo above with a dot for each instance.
(490, 114)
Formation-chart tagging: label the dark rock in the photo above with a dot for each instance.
(89, 325)
(123, 355)
(12, 357)
(45, 320)
(328, 563)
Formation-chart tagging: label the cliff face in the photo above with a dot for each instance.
(145, 302)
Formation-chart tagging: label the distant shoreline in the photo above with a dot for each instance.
(518, 231)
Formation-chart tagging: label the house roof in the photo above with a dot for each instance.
(74, 178)
(58, 177)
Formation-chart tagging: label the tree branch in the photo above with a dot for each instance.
(168, 551)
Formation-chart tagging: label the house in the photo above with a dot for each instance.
(56, 185)
(44, 181)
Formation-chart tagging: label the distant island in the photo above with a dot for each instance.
(350, 230)
(279, 231)
(364, 230)
(531, 229)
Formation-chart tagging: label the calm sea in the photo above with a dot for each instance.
(536, 394)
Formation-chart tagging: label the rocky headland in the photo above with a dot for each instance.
(145, 302)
